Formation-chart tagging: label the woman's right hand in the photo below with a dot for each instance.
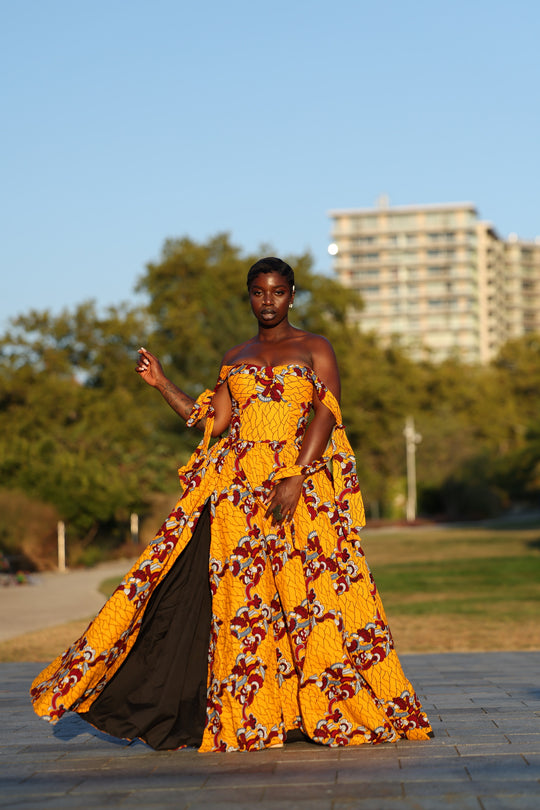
(149, 368)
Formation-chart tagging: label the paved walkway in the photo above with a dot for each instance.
(51, 598)
(485, 708)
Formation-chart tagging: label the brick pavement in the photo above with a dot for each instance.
(485, 708)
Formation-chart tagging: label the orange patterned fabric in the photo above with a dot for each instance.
(299, 638)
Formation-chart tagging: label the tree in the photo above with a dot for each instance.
(73, 434)
(84, 439)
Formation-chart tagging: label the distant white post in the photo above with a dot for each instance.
(134, 526)
(61, 534)
(412, 438)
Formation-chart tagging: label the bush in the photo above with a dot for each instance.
(28, 530)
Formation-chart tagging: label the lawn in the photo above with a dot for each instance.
(459, 589)
(444, 589)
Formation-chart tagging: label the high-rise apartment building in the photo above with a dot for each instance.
(522, 288)
(437, 279)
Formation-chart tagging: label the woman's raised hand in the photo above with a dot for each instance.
(149, 368)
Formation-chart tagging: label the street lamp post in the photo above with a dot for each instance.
(412, 438)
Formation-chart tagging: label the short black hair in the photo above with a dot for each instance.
(271, 265)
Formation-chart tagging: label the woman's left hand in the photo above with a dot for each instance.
(283, 499)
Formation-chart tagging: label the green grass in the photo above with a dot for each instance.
(485, 577)
(109, 585)
(482, 573)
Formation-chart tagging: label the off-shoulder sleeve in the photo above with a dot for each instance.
(202, 408)
(340, 455)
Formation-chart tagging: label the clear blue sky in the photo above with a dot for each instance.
(125, 122)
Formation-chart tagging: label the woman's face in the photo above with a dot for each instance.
(270, 296)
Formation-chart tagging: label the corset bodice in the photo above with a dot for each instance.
(270, 403)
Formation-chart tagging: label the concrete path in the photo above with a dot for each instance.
(51, 598)
(485, 708)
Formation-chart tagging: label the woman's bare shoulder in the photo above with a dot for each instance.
(323, 361)
(319, 347)
(234, 352)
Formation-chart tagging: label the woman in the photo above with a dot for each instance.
(253, 612)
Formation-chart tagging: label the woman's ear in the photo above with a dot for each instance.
(291, 302)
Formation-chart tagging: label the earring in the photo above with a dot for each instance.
(290, 306)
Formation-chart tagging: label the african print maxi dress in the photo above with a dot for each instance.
(229, 631)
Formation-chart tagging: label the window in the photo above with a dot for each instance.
(440, 219)
(365, 223)
(401, 221)
(363, 240)
(436, 288)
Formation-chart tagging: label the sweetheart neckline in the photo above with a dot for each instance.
(273, 367)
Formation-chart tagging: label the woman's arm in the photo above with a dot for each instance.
(286, 493)
(316, 437)
(149, 368)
